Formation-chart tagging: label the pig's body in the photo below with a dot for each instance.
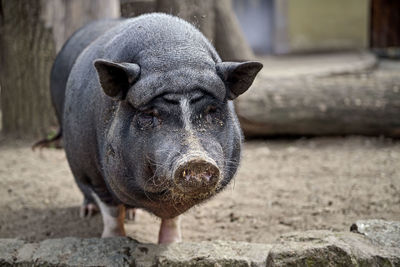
(147, 118)
(66, 58)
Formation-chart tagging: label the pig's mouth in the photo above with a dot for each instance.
(165, 203)
(159, 194)
(170, 203)
(176, 196)
(151, 195)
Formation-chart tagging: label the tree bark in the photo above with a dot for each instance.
(385, 24)
(31, 32)
(27, 50)
(229, 39)
(385, 28)
(337, 105)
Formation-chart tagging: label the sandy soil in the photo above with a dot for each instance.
(282, 186)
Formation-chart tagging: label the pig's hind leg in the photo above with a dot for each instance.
(88, 209)
(131, 213)
(89, 206)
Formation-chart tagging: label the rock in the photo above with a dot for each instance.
(8, 250)
(217, 253)
(383, 233)
(123, 251)
(77, 252)
(377, 245)
(326, 248)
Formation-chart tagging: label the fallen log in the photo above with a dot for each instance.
(359, 104)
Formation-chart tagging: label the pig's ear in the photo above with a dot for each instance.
(116, 78)
(238, 76)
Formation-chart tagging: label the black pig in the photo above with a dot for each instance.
(147, 119)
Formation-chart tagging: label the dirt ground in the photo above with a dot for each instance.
(282, 186)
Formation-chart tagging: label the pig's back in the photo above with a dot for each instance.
(156, 42)
(67, 56)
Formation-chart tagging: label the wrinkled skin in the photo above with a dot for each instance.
(148, 120)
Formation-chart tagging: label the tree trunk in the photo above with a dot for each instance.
(229, 39)
(336, 105)
(385, 23)
(31, 32)
(27, 50)
(385, 28)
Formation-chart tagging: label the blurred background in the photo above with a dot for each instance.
(321, 119)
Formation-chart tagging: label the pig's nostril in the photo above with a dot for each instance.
(196, 176)
(206, 176)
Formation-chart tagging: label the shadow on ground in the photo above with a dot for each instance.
(51, 223)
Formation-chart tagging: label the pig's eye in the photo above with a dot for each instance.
(147, 119)
(210, 109)
(210, 112)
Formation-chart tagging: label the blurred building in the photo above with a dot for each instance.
(298, 26)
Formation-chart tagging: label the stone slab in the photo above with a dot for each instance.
(372, 243)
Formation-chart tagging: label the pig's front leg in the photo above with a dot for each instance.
(113, 218)
(170, 231)
(87, 210)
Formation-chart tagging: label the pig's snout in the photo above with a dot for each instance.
(196, 176)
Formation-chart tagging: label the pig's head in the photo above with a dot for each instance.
(173, 139)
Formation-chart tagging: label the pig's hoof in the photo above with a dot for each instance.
(88, 210)
(169, 239)
(132, 214)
